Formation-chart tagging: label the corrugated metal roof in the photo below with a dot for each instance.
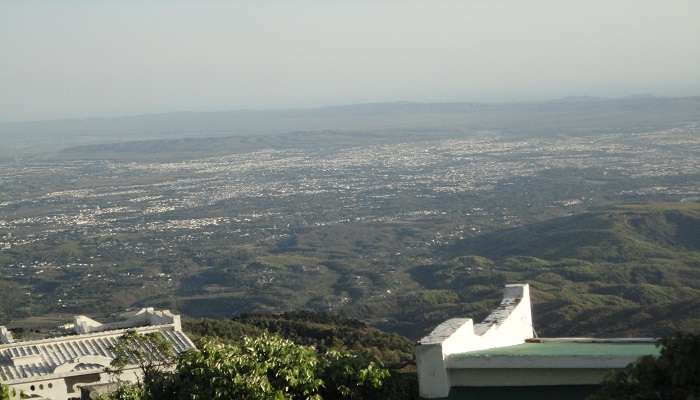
(39, 359)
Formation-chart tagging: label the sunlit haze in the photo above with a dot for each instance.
(93, 58)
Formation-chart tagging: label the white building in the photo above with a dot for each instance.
(57, 368)
(500, 357)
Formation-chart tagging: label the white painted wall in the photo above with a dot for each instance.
(54, 386)
(145, 316)
(5, 336)
(514, 377)
(56, 389)
(509, 325)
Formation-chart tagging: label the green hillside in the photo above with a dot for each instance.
(621, 234)
(323, 331)
(629, 270)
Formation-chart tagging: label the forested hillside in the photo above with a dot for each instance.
(325, 333)
(628, 270)
(621, 271)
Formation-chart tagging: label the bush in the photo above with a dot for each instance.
(347, 376)
(674, 375)
(266, 367)
(126, 392)
(262, 368)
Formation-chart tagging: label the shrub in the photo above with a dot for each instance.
(266, 367)
(262, 368)
(4, 392)
(674, 375)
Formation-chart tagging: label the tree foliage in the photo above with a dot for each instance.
(4, 392)
(674, 375)
(150, 352)
(265, 367)
(324, 332)
(127, 391)
(262, 368)
(349, 376)
(329, 334)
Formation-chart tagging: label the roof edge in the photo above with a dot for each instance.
(140, 329)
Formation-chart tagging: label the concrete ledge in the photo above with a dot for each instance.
(443, 331)
(510, 324)
(500, 352)
(540, 362)
(510, 377)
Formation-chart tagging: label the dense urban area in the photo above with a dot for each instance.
(384, 232)
(366, 200)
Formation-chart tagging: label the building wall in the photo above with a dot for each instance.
(52, 389)
(523, 393)
(509, 325)
(476, 377)
(55, 368)
(68, 388)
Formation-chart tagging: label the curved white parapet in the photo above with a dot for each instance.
(508, 325)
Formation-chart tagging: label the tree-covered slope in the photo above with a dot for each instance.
(323, 331)
(629, 270)
(619, 234)
(11, 304)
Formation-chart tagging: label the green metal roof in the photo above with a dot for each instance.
(576, 392)
(569, 349)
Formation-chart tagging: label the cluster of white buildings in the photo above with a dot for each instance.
(58, 368)
(500, 357)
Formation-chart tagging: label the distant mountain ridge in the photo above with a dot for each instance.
(565, 116)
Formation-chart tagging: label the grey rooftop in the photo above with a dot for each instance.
(81, 353)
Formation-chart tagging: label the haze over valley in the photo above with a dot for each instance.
(400, 227)
(366, 200)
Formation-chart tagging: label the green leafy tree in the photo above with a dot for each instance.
(266, 367)
(127, 392)
(348, 376)
(151, 353)
(261, 368)
(674, 375)
(4, 392)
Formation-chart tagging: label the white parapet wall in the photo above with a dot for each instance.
(510, 324)
(5, 336)
(143, 317)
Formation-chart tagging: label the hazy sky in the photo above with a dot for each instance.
(94, 57)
